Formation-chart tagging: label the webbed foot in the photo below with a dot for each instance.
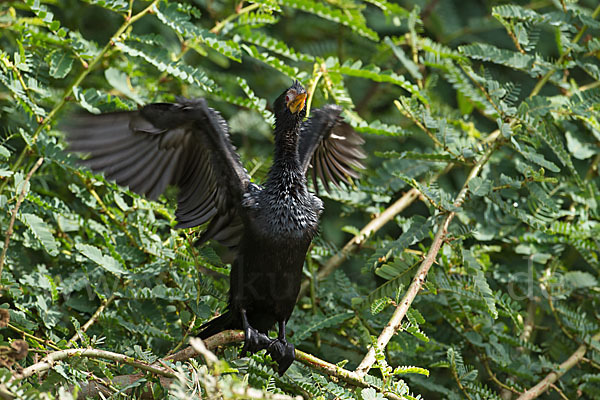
(255, 341)
(283, 353)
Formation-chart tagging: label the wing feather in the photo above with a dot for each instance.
(331, 147)
(185, 144)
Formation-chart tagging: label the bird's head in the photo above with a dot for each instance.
(292, 101)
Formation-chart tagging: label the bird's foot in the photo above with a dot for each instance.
(255, 341)
(283, 353)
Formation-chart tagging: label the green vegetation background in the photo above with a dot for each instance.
(480, 114)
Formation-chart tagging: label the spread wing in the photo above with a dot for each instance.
(330, 146)
(185, 144)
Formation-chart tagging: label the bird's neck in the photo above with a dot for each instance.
(286, 170)
(286, 145)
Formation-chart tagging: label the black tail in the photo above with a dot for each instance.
(221, 323)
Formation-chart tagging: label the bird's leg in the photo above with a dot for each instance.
(254, 340)
(281, 351)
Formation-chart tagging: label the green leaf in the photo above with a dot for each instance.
(517, 12)
(173, 15)
(105, 261)
(319, 323)
(114, 5)
(371, 394)
(378, 128)
(418, 230)
(120, 81)
(374, 73)
(548, 133)
(60, 64)
(416, 332)
(509, 58)
(537, 158)
(276, 63)
(4, 152)
(480, 186)
(579, 146)
(350, 20)
(411, 67)
(41, 230)
(389, 9)
(481, 283)
(410, 370)
(580, 279)
(276, 46)
(378, 305)
(411, 155)
(158, 57)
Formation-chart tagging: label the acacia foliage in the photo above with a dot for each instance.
(436, 88)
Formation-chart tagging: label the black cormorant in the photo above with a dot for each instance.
(268, 228)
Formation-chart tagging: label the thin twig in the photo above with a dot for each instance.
(505, 388)
(11, 224)
(560, 392)
(460, 385)
(92, 319)
(554, 376)
(220, 25)
(47, 342)
(419, 279)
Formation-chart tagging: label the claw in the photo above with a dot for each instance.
(254, 341)
(283, 353)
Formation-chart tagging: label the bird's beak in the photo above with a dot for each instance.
(297, 104)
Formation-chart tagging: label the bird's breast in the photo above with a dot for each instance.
(286, 216)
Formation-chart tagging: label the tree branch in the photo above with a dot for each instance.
(553, 376)
(92, 319)
(309, 360)
(196, 349)
(402, 308)
(50, 359)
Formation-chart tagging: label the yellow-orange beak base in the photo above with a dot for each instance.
(297, 104)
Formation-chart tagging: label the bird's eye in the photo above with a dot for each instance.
(289, 96)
